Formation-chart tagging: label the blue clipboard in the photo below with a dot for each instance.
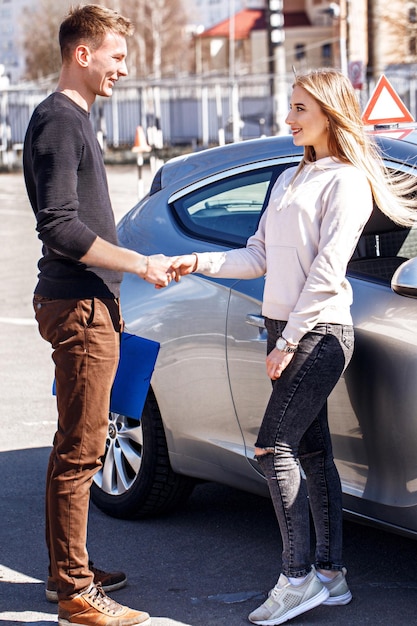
(137, 362)
(133, 377)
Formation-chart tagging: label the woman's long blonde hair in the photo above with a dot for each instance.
(350, 143)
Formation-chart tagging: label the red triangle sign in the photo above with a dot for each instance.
(385, 106)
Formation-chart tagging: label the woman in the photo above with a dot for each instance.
(305, 239)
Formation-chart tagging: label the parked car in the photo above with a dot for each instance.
(209, 388)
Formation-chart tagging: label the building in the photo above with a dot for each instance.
(309, 41)
(314, 34)
(366, 35)
(203, 14)
(10, 36)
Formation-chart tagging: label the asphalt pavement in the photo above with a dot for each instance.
(208, 564)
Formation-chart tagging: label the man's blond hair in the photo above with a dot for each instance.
(89, 24)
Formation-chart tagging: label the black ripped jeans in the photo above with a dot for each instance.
(295, 432)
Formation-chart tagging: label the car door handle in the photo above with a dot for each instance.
(255, 320)
(259, 321)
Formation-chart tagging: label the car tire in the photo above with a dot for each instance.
(136, 479)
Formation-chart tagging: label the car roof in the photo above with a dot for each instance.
(399, 145)
(193, 166)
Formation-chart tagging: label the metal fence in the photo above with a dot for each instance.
(187, 112)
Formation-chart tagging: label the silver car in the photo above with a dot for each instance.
(197, 417)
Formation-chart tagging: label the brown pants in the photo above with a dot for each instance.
(85, 337)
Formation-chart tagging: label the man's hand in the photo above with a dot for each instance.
(159, 270)
(156, 269)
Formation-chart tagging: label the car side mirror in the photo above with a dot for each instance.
(404, 280)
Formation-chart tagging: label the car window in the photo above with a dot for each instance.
(227, 211)
(383, 245)
(382, 248)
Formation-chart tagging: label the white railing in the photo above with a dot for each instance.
(184, 112)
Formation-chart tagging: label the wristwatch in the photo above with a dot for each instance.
(283, 346)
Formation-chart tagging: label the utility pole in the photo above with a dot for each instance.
(277, 67)
(338, 12)
(343, 18)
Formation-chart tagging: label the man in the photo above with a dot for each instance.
(76, 299)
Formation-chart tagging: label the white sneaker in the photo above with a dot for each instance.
(338, 589)
(286, 601)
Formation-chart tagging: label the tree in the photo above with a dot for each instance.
(158, 48)
(392, 34)
(40, 43)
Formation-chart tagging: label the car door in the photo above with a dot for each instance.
(224, 211)
(246, 352)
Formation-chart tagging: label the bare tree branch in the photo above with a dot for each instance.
(159, 47)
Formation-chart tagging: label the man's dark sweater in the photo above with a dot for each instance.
(67, 187)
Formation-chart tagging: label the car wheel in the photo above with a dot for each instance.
(136, 479)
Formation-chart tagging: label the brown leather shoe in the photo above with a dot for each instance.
(94, 608)
(110, 581)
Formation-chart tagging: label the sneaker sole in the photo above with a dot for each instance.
(316, 600)
(65, 622)
(52, 596)
(338, 600)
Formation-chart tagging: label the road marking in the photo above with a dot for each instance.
(8, 575)
(18, 321)
(5, 211)
(41, 423)
(28, 618)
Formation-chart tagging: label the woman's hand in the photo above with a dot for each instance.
(276, 362)
(185, 264)
(178, 266)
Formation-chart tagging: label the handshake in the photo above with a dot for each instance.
(162, 270)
